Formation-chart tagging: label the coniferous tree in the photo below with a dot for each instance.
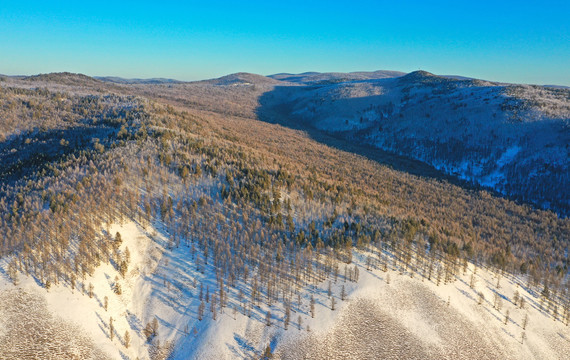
(525, 321)
(312, 306)
(13, 271)
(117, 286)
(522, 302)
(481, 298)
(201, 309)
(154, 327)
(213, 307)
(111, 328)
(287, 316)
(267, 355)
(127, 339)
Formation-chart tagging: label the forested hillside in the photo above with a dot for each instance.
(509, 138)
(263, 211)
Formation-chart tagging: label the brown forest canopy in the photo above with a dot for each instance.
(76, 153)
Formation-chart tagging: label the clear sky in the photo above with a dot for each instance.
(503, 40)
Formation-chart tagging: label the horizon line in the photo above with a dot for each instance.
(98, 77)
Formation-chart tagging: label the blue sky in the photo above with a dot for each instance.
(512, 41)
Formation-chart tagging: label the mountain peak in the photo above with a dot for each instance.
(242, 78)
(65, 78)
(418, 76)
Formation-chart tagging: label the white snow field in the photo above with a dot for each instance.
(409, 317)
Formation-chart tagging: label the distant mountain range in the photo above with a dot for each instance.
(120, 80)
(332, 77)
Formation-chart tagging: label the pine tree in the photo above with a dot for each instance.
(545, 292)
(222, 293)
(154, 327)
(148, 333)
(287, 316)
(213, 307)
(111, 328)
(201, 309)
(356, 273)
(127, 339)
(268, 318)
(481, 298)
(267, 355)
(117, 286)
(13, 271)
(566, 317)
(118, 240)
(312, 306)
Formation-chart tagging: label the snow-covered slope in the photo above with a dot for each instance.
(386, 314)
(436, 322)
(83, 314)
